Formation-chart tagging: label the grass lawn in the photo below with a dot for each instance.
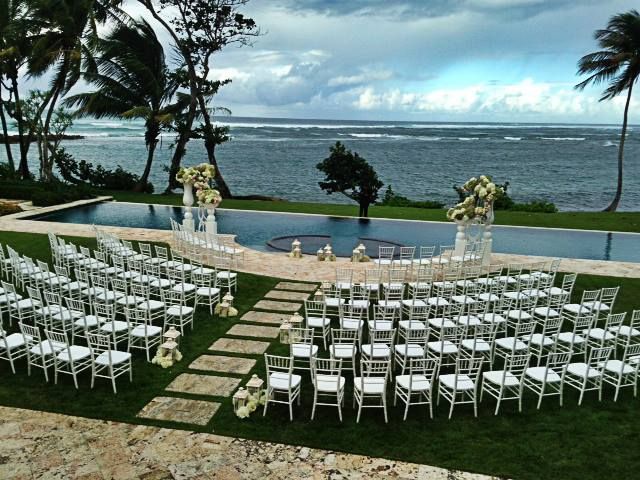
(596, 440)
(619, 221)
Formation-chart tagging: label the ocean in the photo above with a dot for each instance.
(573, 166)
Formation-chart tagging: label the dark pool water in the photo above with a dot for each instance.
(255, 229)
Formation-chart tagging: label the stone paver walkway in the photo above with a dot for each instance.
(180, 410)
(265, 317)
(235, 345)
(220, 363)
(296, 286)
(277, 306)
(286, 295)
(204, 385)
(254, 331)
(39, 445)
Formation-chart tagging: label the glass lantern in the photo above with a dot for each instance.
(240, 399)
(171, 335)
(285, 329)
(254, 386)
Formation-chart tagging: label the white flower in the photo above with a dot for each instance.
(243, 412)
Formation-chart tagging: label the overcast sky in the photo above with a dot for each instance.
(432, 60)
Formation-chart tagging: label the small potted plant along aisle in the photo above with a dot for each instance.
(476, 208)
(199, 178)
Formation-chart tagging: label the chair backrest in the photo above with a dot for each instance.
(329, 369)
(421, 290)
(630, 351)
(386, 253)
(485, 332)
(469, 366)
(584, 322)
(144, 291)
(359, 292)
(136, 317)
(407, 253)
(145, 249)
(161, 252)
(75, 305)
(315, 309)
(615, 320)
(597, 356)
(635, 320)
(383, 337)
(396, 276)
(568, 282)
(424, 273)
(384, 313)
(55, 337)
(98, 344)
(61, 271)
(372, 277)
(423, 366)
(552, 326)
(203, 279)
(341, 336)
(278, 364)
(344, 276)
(524, 329)
(417, 336)
(301, 336)
(119, 285)
(173, 298)
(418, 312)
(52, 298)
(453, 333)
(34, 294)
(515, 364)
(608, 296)
(375, 368)
(31, 334)
(350, 311)
(426, 252)
(105, 311)
(590, 296)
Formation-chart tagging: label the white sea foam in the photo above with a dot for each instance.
(609, 143)
(513, 139)
(468, 139)
(575, 139)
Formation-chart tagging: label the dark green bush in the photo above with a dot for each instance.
(392, 199)
(45, 198)
(535, 207)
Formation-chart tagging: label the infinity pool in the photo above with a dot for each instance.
(255, 229)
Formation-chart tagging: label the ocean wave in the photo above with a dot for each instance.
(302, 126)
(575, 139)
(513, 139)
(609, 143)
(468, 139)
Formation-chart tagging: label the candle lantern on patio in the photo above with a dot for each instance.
(171, 335)
(320, 254)
(296, 250)
(225, 308)
(362, 249)
(295, 321)
(328, 254)
(254, 386)
(168, 352)
(355, 256)
(318, 295)
(285, 331)
(240, 399)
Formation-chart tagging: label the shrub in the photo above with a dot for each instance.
(45, 198)
(392, 199)
(7, 173)
(538, 206)
(7, 208)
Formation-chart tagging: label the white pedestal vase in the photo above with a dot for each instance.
(187, 200)
(461, 238)
(487, 240)
(211, 226)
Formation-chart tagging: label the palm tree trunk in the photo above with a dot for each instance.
(210, 146)
(142, 183)
(613, 206)
(24, 140)
(5, 133)
(180, 147)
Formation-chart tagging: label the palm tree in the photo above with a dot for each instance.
(132, 81)
(618, 64)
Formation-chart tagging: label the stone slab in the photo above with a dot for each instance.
(204, 385)
(220, 363)
(265, 317)
(284, 295)
(182, 410)
(277, 306)
(236, 345)
(297, 286)
(242, 330)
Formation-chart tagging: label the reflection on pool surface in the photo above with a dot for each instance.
(255, 229)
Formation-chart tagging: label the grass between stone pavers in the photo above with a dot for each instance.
(618, 221)
(595, 440)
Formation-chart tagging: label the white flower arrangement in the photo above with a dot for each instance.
(252, 405)
(208, 196)
(199, 176)
(165, 359)
(481, 193)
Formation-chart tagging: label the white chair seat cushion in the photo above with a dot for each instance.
(555, 291)
(599, 334)
(463, 299)
(576, 308)
(344, 285)
(417, 383)
(117, 357)
(282, 381)
(464, 383)
(568, 337)
(334, 302)
(226, 275)
(128, 275)
(488, 297)
(539, 339)
(411, 325)
(107, 295)
(300, 350)
(67, 315)
(151, 305)
(414, 303)
(374, 287)
(184, 287)
(515, 295)
(74, 286)
(615, 366)
(89, 321)
(511, 343)
(445, 347)
(151, 331)
(582, 370)
(480, 345)
(441, 322)
(385, 325)
(74, 353)
(342, 350)
(25, 304)
(535, 293)
(179, 310)
(49, 310)
(203, 271)
(129, 300)
(160, 283)
(317, 322)
(207, 291)
(14, 340)
(491, 318)
(45, 348)
(537, 373)
(469, 320)
(410, 350)
(546, 312)
(625, 331)
(496, 377)
(506, 279)
(329, 383)
(351, 323)
(603, 307)
(144, 279)
(518, 315)
(114, 326)
(437, 301)
(377, 350)
(9, 297)
(390, 303)
(370, 385)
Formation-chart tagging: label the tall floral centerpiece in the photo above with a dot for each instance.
(475, 209)
(197, 177)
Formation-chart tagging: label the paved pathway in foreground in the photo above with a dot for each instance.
(39, 445)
